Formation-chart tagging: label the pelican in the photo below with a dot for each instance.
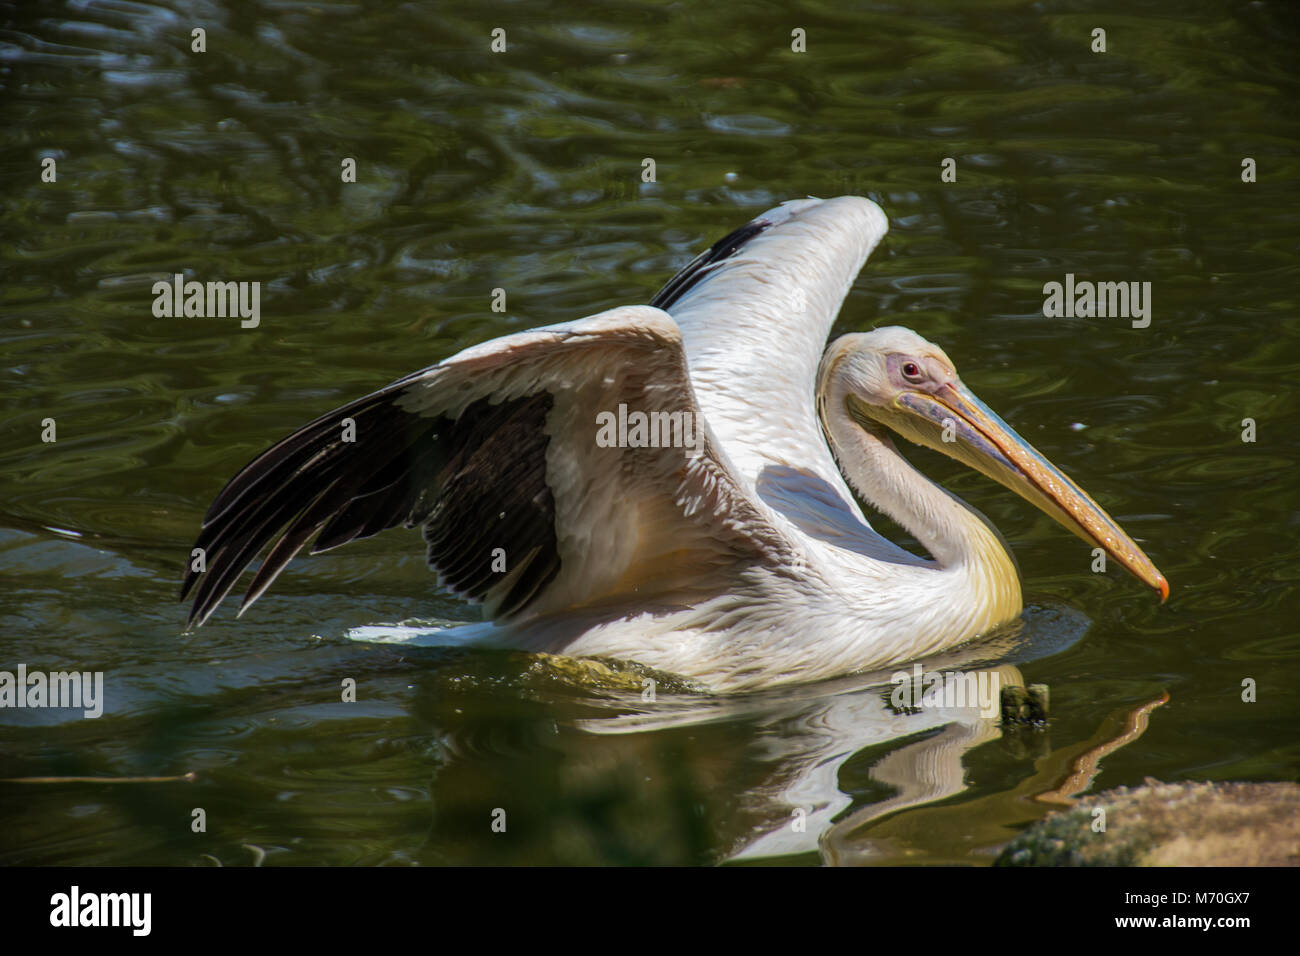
(737, 555)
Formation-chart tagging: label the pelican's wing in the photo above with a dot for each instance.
(495, 452)
(755, 311)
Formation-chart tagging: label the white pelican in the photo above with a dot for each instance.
(741, 561)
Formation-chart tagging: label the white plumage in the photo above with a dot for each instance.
(743, 563)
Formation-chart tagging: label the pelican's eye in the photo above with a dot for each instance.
(912, 372)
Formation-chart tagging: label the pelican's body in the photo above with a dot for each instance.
(742, 559)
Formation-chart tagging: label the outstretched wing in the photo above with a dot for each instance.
(755, 310)
(502, 453)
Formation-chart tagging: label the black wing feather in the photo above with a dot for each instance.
(456, 475)
(697, 268)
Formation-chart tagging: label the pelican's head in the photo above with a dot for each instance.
(892, 377)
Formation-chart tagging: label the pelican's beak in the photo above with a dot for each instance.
(951, 420)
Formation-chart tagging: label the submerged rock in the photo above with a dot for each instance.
(1169, 824)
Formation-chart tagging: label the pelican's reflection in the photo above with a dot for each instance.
(804, 737)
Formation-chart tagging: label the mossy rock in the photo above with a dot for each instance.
(1169, 824)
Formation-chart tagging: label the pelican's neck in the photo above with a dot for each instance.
(959, 537)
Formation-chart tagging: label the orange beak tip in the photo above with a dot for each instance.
(1164, 590)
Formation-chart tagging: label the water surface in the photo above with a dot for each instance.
(522, 171)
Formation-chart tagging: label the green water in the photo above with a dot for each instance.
(522, 170)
